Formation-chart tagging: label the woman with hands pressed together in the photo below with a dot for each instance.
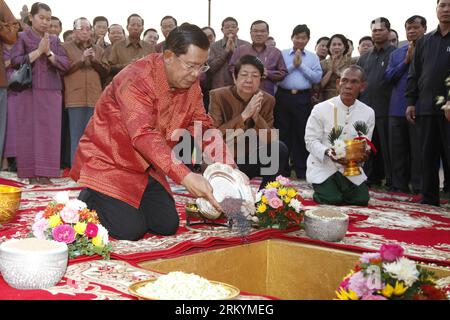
(39, 108)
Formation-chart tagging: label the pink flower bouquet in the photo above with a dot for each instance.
(278, 205)
(70, 221)
(388, 275)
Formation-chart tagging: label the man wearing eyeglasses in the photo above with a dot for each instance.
(126, 151)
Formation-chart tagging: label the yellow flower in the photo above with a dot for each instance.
(80, 227)
(262, 208)
(287, 199)
(343, 294)
(387, 291)
(282, 192)
(264, 200)
(400, 288)
(273, 184)
(291, 192)
(97, 241)
(54, 220)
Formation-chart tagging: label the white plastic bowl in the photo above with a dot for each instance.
(33, 263)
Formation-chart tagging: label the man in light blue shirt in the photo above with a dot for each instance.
(293, 98)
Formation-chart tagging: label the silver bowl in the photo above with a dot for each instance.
(326, 224)
(32, 263)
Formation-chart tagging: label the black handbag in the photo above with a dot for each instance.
(21, 78)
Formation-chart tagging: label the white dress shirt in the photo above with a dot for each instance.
(320, 123)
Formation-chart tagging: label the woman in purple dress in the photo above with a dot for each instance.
(9, 151)
(38, 113)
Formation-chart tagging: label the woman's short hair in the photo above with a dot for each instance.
(248, 59)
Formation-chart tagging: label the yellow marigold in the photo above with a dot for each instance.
(264, 200)
(287, 200)
(262, 208)
(282, 192)
(80, 227)
(54, 220)
(343, 294)
(291, 192)
(97, 241)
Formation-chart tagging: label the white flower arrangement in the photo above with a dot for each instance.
(339, 148)
(403, 270)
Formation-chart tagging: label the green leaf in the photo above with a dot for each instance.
(334, 134)
(361, 128)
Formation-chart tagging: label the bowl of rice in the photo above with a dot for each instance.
(182, 286)
(32, 263)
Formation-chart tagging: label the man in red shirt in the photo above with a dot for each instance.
(126, 151)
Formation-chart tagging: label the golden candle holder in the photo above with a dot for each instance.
(9, 202)
(354, 153)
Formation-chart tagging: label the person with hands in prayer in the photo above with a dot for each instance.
(245, 106)
(325, 167)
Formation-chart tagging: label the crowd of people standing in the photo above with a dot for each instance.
(44, 124)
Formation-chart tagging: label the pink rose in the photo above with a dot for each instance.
(69, 215)
(275, 202)
(391, 252)
(91, 230)
(39, 228)
(282, 180)
(63, 233)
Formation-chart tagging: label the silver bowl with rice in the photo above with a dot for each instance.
(33, 263)
(326, 224)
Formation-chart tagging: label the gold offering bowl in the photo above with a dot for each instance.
(354, 153)
(9, 202)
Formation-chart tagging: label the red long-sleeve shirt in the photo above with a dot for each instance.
(129, 136)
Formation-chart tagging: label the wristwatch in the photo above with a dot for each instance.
(50, 54)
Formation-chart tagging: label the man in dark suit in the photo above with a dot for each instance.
(403, 140)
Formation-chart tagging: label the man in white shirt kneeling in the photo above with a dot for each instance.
(324, 167)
